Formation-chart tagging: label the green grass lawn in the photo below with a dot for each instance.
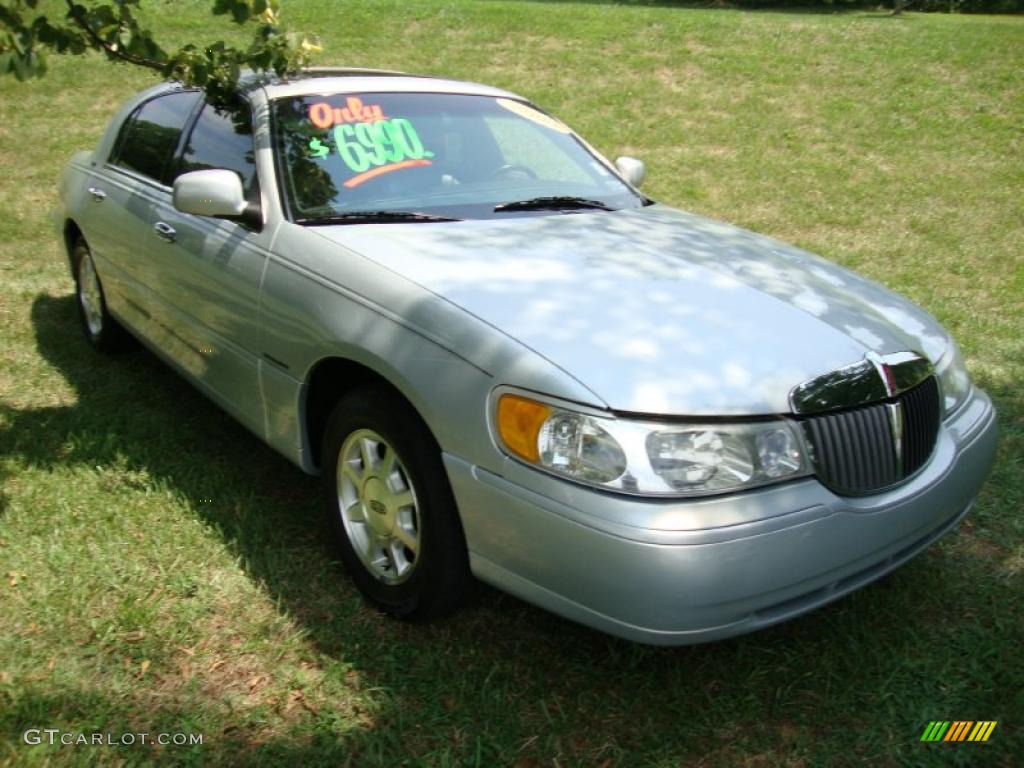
(162, 571)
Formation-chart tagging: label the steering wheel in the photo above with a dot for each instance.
(513, 171)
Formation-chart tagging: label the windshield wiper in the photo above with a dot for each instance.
(372, 217)
(553, 204)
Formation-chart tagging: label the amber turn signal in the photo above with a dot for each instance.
(519, 423)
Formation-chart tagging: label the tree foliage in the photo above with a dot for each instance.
(28, 34)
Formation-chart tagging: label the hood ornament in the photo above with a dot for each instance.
(884, 372)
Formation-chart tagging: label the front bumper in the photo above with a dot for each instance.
(687, 571)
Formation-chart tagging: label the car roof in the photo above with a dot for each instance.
(328, 80)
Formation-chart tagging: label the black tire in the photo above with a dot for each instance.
(437, 577)
(100, 328)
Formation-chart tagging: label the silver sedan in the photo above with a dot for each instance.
(507, 362)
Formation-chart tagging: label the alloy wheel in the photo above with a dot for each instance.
(89, 295)
(378, 506)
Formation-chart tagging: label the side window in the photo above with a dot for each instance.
(222, 138)
(149, 137)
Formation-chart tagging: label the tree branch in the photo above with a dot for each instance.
(110, 49)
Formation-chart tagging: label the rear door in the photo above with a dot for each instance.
(127, 190)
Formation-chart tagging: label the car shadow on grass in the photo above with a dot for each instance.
(502, 679)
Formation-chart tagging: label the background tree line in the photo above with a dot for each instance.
(938, 6)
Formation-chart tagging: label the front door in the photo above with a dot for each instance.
(209, 270)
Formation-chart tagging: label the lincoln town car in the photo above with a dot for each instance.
(508, 364)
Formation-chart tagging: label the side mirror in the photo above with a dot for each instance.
(632, 170)
(210, 193)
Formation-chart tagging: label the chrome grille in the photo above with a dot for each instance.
(856, 451)
(922, 413)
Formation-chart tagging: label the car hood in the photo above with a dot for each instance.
(655, 310)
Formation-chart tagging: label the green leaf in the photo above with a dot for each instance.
(241, 12)
(100, 16)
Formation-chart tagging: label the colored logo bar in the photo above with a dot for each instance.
(958, 730)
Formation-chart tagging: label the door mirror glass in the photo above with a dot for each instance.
(632, 170)
(215, 192)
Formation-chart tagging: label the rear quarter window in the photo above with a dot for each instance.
(148, 138)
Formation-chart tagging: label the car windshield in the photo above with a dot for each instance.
(348, 158)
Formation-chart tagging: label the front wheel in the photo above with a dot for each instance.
(390, 510)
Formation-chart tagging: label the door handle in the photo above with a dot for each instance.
(97, 194)
(165, 231)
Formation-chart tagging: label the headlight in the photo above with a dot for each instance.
(953, 378)
(578, 446)
(649, 458)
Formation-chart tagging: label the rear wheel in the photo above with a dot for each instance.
(102, 330)
(390, 509)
